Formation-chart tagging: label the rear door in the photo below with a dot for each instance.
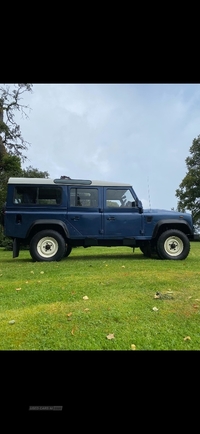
(84, 212)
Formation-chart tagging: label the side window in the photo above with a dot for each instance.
(25, 195)
(49, 195)
(85, 197)
(37, 195)
(116, 198)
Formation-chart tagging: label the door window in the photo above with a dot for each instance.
(116, 198)
(84, 197)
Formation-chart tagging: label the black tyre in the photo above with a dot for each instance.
(68, 250)
(47, 245)
(173, 244)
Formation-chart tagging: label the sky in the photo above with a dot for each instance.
(131, 133)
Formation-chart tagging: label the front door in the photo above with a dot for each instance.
(121, 217)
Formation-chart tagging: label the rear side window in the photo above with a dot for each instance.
(37, 195)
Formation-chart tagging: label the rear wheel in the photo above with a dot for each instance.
(173, 244)
(47, 245)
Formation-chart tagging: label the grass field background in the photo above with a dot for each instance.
(100, 299)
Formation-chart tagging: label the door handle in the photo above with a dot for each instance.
(75, 218)
(110, 218)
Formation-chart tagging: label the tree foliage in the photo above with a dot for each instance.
(188, 192)
(10, 132)
(31, 172)
(10, 165)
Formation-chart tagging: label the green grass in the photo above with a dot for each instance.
(50, 313)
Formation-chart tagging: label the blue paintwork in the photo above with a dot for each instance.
(100, 222)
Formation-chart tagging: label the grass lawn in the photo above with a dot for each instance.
(100, 299)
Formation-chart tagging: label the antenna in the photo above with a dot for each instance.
(149, 193)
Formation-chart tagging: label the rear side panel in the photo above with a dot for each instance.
(27, 204)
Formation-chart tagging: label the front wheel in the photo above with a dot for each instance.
(173, 244)
(47, 245)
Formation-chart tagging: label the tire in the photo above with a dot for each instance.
(47, 245)
(173, 244)
(68, 250)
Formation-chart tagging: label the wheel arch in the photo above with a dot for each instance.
(164, 225)
(56, 225)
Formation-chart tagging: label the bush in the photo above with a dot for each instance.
(5, 242)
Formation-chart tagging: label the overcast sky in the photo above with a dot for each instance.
(133, 133)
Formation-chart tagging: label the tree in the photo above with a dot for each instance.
(189, 189)
(11, 139)
(10, 165)
(31, 172)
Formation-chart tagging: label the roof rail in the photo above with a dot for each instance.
(73, 181)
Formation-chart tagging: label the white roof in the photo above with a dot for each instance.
(48, 181)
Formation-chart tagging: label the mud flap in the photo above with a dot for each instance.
(16, 246)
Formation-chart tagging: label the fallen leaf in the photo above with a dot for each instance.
(69, 314)
(86, 309)
(72, 332)
(123, 266)
(163, 296)
(41, 272)
(85, 297)
(155, 309)
(27, 281)
(195, 306)
(187, 338)
(110, 336)
(133, 347)
(18, 289)
(32, 272)
(12, 321)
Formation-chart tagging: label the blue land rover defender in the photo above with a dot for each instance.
(51, 216)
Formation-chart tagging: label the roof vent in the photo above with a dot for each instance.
(73, 181)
